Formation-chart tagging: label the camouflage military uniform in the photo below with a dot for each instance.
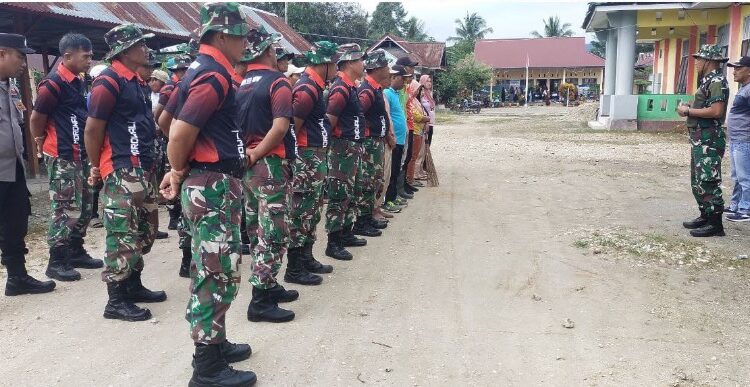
(708, 143)
(212, 206)
(310, 171)
(369, 175)
(344, 159)
(71, 200)
(267, 194)
(130, 216)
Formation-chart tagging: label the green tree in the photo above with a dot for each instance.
(553, 28)
(472, 28)
(414, 30)
(599, 48)
(467, 76)
(387, 18)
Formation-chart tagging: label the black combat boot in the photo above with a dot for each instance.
(379, 224)
(335, 248)
(714, 227)
(175, 210)
(410, 188)
(296, 272)
(187, 257)
(212, 370)
(136, 292)
(119, 308)
(280, 294)
(235, 352)
(697, 222)
(349, 240)
(363, 227)
(20, 282)
(58, 267)
(311, 264)
(80, 258)
(263, 307)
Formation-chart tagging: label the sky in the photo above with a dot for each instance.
(508, 19)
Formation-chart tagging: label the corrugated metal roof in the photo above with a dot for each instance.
(544, 52)
(291, 40)
(428, 54)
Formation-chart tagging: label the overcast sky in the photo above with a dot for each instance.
(511, 19)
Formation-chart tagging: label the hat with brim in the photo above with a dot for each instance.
(350, 52)
(710, 52)
(294, 70)
(160, 75)
(282, 54)
(259, 41)
(226, 18)
(15, 41)
(376, 59)
(406, 61)
(179, 62)
(122, 37)
(743, 62)
(400, 70)
(322, 52)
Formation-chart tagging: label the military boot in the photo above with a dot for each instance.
(311, 264)
(263, 307)
(20, 282)
(235, 352)
(58, 266)
(349, 240)
(136, 292)
(714, 227)
(174, 211)
(187, 257)
(280, 294)
(212, 370)
(119, 308)
(296, 272)
(80, 258)
(335, 249)
(363, 227)
(697, 222)
(379, 224)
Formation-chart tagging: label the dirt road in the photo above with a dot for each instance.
(536, 221)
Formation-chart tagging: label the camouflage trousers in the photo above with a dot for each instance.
(707, 149)
(267, 187)
(212, 207)
(369, 175)
(309, 176)
(183, 233)
(71, 200)
(130, 218)
(343, 163)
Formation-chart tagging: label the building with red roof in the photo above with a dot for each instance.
(551, 61)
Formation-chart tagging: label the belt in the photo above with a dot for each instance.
(231, 167)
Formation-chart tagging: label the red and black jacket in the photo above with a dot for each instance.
(309, 105)
(343, 103)
(61, 96)
(264, 95)
(119, 97)
(205, 98)
(373, 106)
(166, 91)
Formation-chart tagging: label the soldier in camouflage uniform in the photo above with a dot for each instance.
(57, 121)
(705, 118)
(119, 137)
(282, 59)
(264, 103)
(344, 153)
(310, 169)
(206, 151)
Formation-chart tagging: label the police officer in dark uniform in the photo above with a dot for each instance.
(15, 206)
(705, 118)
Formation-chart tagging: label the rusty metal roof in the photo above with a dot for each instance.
(291, 40)
(428, 54)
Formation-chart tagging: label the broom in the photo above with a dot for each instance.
(432, 177)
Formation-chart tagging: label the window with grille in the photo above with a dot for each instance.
(681, 87)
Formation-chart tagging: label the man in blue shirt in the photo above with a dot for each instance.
(398, 118)
(738, 125)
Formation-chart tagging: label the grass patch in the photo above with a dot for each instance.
(445, 117)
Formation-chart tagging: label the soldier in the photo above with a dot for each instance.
(57, 120)
(282, 59)
(704, 121)
(206, 151)
(345, 152)
(119, 137)
(15, 206)
(376, 128)
(264, 102)
(311, 165)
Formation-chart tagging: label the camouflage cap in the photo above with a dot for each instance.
(282, 54)
(152, 60)
(179, 62)
(223, 17)
(123, 37)
(710, 52)
(376, 59)
(259, 40)
(349, 52)
(322, 52)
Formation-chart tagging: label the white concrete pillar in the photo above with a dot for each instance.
(610, 59)
(625, 53)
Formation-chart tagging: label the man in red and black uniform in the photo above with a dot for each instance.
(57, 123)
(264, 102)
(206, 151)
(119, 136)
(345, 152)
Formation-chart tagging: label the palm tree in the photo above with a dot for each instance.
(553, 27)
(413, 30)
(472, 28)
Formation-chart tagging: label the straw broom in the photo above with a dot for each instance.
(432, 177)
